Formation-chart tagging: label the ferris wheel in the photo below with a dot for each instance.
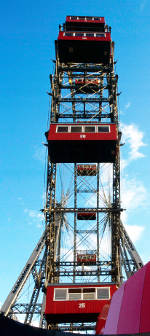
(85, 252)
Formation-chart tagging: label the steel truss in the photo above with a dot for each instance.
(46, 264)
(129, 259)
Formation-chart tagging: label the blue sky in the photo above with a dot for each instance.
(28, 31)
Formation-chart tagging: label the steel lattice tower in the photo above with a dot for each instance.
(86, 93)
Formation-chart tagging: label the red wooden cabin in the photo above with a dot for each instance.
(87, 85)
(82, 142)
(84, 23)
(86, 258)
(86, 170)
(77, 302)
(86, 47)
(87, 19)
(86, 215)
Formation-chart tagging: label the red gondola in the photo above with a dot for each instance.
(86, 215)
(86, 170)
(86, 259)
(84, 23)
(87, 85)
(87, 47)
(82, 142)
(76, 302)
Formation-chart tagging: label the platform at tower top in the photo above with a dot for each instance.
(84, 39)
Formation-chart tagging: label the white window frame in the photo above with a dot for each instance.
(102, 288)
(102, 34)
(89, 126)
(67, 293)
(58, 289)
(83, 128)
(62, 126)
(76, 126)
(103, 126)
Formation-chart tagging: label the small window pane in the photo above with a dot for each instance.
(75, 296)
(88, 296)
(76, 129)
(79, 34)
(103, 293)
(74, 290)
(60, 294)
(103, 129)
(100, 35)
(89, 34)
(88, 290)
(90, 129)
(68, 34)
(62, 129)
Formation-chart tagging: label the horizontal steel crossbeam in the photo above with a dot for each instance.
(83, 273)
(84, 114)
(86, 190)
(86, 231)
(24, 308)
(82, 100)
(72, 263)
(83, 67)
(72, 210)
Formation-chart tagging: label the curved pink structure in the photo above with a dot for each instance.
(129, 311)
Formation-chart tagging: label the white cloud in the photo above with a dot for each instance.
(134, 231)
(39, 153)
(35, 216)
(123, 164)
(133, 194)
(127, 105)
(133, 137)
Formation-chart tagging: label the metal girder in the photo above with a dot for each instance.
(115, 220)
(88, 114)
(39, 276)
(71, 263)
(86, 190)
(13, 295)
(50, 222)
(75, 210)
(76, 273)
(128, 248)
(24, 308)
(86, 231)
(90, 67)
(81, 100)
